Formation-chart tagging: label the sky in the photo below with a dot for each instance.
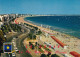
(40, 6)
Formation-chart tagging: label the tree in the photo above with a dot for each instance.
(39, 32)
(32, 46)
(2, 40)
(49, 53)
(36, 28)
(36, 43)
(15, 27)
(30, 35)
(54, 55)
(30, 43)
(43, 55)
(32, 31)
(34, 36)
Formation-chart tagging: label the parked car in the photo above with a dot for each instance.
(13, 54)
(14, 45)
(15, 48)
(14, 38)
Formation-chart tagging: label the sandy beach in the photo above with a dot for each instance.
(70, 41)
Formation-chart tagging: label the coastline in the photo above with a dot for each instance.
(75, 32)
(71, 41)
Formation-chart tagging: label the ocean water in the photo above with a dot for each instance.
(65, 24)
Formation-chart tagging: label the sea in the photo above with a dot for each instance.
(65, 24)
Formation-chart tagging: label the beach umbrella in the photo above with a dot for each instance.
(58, 46)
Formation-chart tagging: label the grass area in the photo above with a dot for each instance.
(35, 47)
(10, 38)
(30, 39)
(39, 49)
(47, 49)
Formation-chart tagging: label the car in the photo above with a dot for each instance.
(13, 54)
(13, 42)
(14, 45)
(16, 50)
(14, 38)
(17, 37)
(10, 54)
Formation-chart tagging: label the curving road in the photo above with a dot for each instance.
(19, 42)
(20, 45)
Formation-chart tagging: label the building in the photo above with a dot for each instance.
(6, 17)
(1, 18)
(1, 21)
(12, 16)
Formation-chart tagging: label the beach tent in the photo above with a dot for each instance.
(58, 41)
(75, 54)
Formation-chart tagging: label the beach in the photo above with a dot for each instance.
(70, 41)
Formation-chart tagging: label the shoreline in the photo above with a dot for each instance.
(65, 31)
(23, 21)
(71, 41)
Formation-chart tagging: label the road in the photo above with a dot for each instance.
(19, 42)
(10, 39)
(20, 45)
